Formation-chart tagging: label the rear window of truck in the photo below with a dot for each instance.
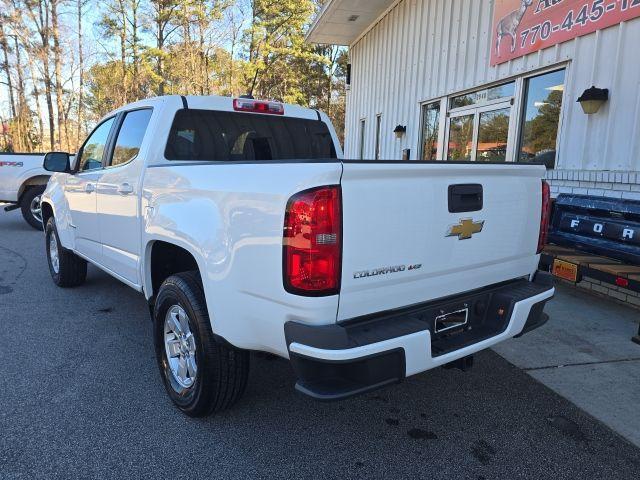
(208, 135)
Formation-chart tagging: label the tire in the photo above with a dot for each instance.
(219, 377)
(30, 206)
(69, 270)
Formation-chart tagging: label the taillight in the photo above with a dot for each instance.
(256, 106)
(312, 253)
(544, 216)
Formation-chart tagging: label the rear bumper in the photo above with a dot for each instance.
(337, 361)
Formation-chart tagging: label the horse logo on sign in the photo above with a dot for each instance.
(508, 25)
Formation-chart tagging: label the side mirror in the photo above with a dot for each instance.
(57, 162)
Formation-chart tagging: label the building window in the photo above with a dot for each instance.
(429, 131)
(378, 125)
(483, 96)
(541, 117)
(460, 147)
(493, 135)
(478, 124)
(361, 146)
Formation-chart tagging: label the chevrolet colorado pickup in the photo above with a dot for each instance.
(22, 181)
(246, 230)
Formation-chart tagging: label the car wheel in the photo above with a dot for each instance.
(66, 268)
(30, 206)
(201, 373)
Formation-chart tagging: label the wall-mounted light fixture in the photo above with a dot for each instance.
(400, 130)
(592, 99)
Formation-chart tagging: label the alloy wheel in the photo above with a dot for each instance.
(180, 346)
(54, 258)
(36, 208)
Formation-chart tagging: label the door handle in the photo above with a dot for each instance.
(465, 197)
(90, 187)
(125, 189)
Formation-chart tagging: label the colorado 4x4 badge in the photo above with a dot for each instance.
(386, 270)
(465, 229)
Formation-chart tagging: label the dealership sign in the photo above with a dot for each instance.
(524, 26)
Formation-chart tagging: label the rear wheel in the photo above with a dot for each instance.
(30, 206)
(66, 268)
(201, 373)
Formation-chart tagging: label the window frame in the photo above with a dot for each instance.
(474, 134)
(106, 161)
(489, 103)
(510, 144)
(517, 111)
(76, 169)
(441, 126)
(376, 152)
(332, 139)
(361, 138)
(522, 107)
(476, 112)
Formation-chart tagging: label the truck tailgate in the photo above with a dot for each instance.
(399, 248)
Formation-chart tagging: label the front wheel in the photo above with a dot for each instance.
(66, 268)
(201, 373)
(30, 206)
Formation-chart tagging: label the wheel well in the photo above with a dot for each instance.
(40, 180)
(168, 259)
(47, 213)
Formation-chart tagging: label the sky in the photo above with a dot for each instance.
(93, 42)
(96, 46)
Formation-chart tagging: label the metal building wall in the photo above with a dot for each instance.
(424, 49)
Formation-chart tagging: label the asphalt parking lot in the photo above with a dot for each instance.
(80, 397)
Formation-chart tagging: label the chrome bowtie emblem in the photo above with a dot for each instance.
(465, 229)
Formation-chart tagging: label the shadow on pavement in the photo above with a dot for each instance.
(81, 397)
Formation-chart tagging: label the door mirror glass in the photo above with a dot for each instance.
(57, 162)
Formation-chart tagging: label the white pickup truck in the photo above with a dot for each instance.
(22, 181)
(245, 230)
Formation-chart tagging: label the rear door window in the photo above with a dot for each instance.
(130, 136)
(207, 135)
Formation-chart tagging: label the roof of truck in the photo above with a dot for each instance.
(214, 102)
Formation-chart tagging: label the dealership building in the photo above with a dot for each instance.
(495, 80)
(432, 67)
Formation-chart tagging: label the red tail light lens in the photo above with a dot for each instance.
(544, 216)
(255, 106)
(622, 282)
(312, 252)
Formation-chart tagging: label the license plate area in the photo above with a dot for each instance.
(489, 310)
(452, 320)
(455, 325)
(565, 270)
